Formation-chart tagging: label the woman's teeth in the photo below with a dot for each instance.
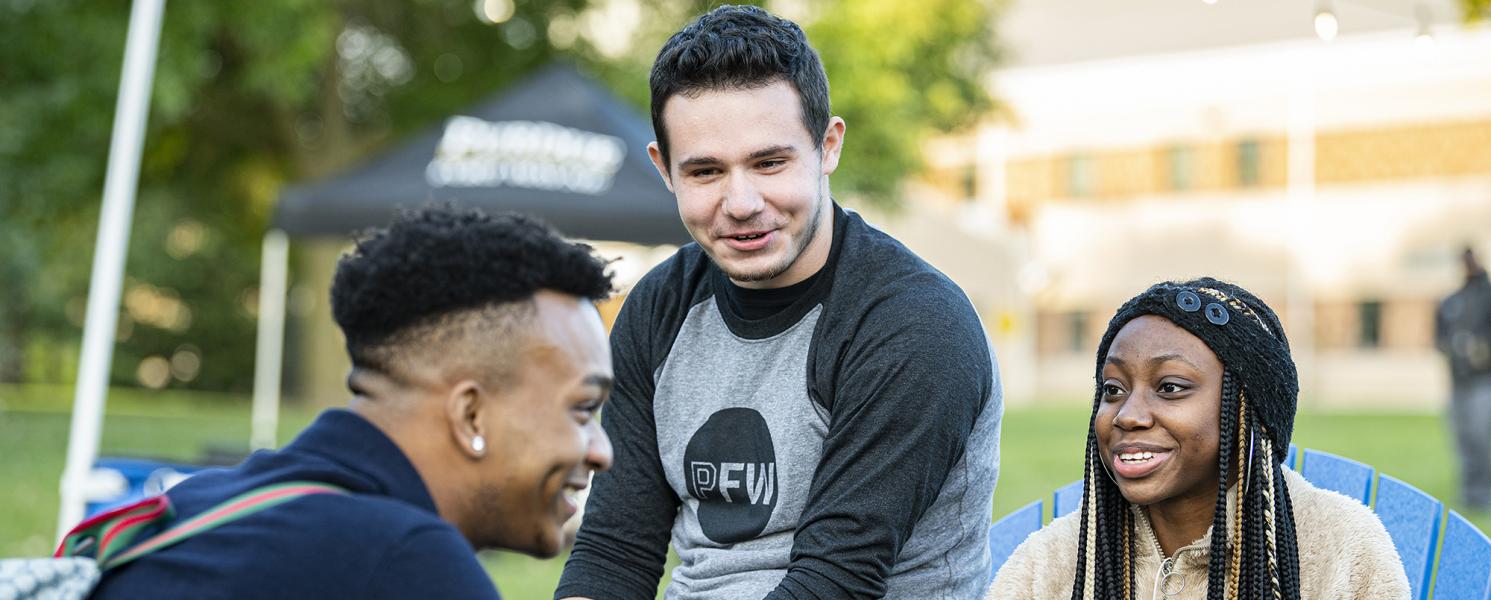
(1134, 457)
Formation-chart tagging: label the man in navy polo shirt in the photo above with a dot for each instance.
(478, 366)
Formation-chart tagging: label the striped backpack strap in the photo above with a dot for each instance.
(107, 537)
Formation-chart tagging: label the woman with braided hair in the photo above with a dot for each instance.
(1186, 497)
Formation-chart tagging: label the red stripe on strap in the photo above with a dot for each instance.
(250, 502)
(114, 530)
(220, 515)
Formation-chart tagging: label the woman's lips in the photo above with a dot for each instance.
(1143, 463)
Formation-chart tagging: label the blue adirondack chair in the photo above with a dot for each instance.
(1331, 472)
(1464, 563)
(1007, 533)
(1412, 518)
(1067, 499)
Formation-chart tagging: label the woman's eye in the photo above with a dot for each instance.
(1171, 388)
(1110, 390)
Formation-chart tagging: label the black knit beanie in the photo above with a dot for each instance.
(1244, 333)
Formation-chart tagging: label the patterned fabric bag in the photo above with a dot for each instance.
(104, 541)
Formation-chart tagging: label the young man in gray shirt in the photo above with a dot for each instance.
(805, 407)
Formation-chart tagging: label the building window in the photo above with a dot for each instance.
(1247, 163)
(1369, 324)
(1080, 176)
(1077, 332)
(1181, 167)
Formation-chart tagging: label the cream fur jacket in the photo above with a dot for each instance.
(1344, 553)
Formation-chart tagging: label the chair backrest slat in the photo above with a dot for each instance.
(1066, 499)
(1412, 519)
(1293, 458)
(1464, 562)
(1009, 532)
(1343, 475)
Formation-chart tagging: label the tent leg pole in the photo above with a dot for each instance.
(114, 218)
(269, 352)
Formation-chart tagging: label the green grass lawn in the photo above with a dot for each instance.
(1041, 450)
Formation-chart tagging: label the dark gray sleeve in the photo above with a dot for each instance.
(916, 373)
(623, 539)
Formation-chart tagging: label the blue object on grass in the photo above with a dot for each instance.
(1008, 533)
(1337, 474)
(1067, 499)
(1412, 519)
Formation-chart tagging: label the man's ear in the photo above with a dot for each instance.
(833, 144)
(656, 154)
(463, 414)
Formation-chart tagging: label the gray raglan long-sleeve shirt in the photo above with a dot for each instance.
(844, 447)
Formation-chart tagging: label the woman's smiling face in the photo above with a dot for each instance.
(1159, 415)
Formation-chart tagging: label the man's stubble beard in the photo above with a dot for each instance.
(810, 234)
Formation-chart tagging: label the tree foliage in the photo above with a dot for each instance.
(251, 95)
(1476, 10)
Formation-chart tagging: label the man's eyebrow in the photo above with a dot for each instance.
(697, 161)
(772, 151)
(602, 381)
(778, 150)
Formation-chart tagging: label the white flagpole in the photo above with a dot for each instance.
(114, 221)
(269, 351)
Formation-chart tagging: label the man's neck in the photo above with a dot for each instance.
(399, 417)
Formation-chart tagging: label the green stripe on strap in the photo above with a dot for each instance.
(233, 509)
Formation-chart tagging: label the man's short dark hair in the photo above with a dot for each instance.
(739, 47)
(437, 261)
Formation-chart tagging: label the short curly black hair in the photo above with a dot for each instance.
(440, 260)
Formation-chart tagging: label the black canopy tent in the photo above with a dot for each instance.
(555, 145)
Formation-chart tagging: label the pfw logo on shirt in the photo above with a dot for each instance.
(731, 469)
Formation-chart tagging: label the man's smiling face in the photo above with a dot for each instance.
(751, 183)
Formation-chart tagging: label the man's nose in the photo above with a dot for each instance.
(598, 452)
(742, 198)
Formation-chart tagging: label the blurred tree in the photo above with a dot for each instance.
(249, 96)
(899, 72)
(1476, 10)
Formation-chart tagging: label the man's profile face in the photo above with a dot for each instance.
(545, 440)
(750, 182)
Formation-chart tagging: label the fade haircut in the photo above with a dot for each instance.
(739, 47)
(440, 271)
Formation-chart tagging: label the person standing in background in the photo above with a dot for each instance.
(1462, 332)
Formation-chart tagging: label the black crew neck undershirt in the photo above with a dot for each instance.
(760, 303)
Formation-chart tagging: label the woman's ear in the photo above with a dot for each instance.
(463, 412)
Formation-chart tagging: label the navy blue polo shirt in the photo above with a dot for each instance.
(385, 540)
